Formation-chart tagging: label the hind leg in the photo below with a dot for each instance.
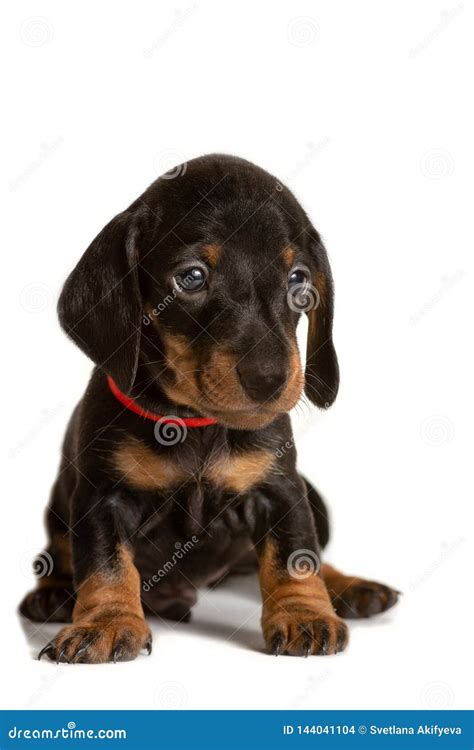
(354, 597)
(53, 598)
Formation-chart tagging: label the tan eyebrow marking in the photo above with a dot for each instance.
(289, 256)
(212, 253)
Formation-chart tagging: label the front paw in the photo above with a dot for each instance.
(118, 637)
(302, 631)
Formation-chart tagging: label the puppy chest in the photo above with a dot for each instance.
(143, 468)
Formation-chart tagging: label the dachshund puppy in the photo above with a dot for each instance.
(179, 464)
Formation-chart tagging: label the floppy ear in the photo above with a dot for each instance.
(100, 305)
(322, 369)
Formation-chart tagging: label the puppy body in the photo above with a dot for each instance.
(189, 301)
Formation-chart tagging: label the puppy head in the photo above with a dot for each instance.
(200, 283)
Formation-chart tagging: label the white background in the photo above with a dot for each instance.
(364, 109)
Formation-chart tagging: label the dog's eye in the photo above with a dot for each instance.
(298, 277)
(191, 280)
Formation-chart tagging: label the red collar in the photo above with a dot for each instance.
(129, 403)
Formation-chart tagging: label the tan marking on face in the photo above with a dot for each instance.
(238, 472)
(144, 469)
(211, 254)
(289, 257)
(222, 396)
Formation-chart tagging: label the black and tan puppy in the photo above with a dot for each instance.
(178, 463)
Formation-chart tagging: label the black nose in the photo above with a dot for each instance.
(263, 381)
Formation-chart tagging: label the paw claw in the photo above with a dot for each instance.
(277, 645)
(46, 650)
(324, 639)
(341, 641)
(307, 645)
(61, 658)
(326, 634)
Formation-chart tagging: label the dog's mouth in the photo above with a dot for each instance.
(239, 417)
(231, 409)
(213, 389)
